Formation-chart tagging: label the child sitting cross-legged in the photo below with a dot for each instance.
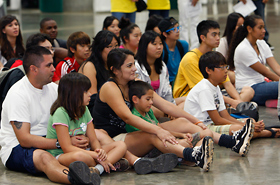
(205, 101)
(70, 117)
(141, 96)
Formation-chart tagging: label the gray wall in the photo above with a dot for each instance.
(77, 5)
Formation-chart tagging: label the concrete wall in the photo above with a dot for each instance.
(78, 5)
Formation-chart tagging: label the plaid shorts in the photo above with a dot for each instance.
(223, 129)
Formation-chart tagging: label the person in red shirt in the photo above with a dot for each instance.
(78, 51)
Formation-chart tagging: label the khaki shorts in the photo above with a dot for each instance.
(120, 137)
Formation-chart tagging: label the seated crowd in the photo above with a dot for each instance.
(75, 109)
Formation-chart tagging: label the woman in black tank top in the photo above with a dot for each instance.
(112, 112)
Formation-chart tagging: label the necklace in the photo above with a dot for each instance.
(258, 55)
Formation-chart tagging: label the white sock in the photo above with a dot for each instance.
(100, 168)
(136, 161)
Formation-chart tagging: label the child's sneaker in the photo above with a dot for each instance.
(122, 165)
(80, 174)
(243, 138)
(204, 154)
(94, 170)
(161, 164)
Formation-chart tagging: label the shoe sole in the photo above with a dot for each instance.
(122, 168)
(160, 164)
(208, 150)
(81, 172)
(244, 149)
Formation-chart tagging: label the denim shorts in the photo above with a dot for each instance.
(21, 159)
(265, 91)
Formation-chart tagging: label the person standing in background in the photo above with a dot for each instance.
(124, 8)
(159, 7)
(189, 11)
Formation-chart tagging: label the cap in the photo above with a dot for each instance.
(167, 23)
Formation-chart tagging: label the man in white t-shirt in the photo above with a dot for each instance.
(25, 115)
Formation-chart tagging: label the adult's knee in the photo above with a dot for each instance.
(45, 157)
(249, 91)
(183, 120)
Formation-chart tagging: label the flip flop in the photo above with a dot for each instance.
(273, 132)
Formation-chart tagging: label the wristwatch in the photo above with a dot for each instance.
(57, 144)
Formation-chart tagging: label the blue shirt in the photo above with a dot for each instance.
(174, 59)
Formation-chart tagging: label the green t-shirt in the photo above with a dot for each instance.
(149, 117)
(77, 127)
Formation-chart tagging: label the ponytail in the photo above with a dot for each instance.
(238, 36)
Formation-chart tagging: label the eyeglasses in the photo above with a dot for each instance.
(112, 47)
(176, 29)
(223, 67)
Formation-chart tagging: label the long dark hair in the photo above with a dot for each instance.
(6, 48)
(71, 90)
(100, 41)
(126, 28)
(238, 36)
(148, 37)
(232, 20)
(116, 58)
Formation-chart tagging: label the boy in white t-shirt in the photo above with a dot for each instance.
(206, 103)
(205, 100)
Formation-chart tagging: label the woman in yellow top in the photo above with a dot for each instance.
(160, 7)
(124, 8)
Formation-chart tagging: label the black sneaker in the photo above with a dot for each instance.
(204, 154)
(122, 165)
(79, 174)
(161, 164)
(243, 138)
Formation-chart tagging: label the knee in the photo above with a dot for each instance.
(121, 145)
(81, 156)
(183, 120)
(248, 90)
(206, 132)
(46, 158)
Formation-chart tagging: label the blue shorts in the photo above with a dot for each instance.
(21, 159)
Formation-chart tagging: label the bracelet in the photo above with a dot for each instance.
(198, 122)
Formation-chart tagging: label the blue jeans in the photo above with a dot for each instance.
(265, 91)
(260, 11)
(130, 16)
(163, 13)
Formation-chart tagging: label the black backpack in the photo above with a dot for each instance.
(6, 83)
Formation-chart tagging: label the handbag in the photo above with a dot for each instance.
(141, 5)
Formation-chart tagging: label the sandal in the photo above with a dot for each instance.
(273, 132)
